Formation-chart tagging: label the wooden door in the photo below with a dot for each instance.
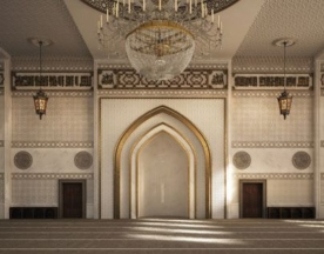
(252, 200)
(72, 200)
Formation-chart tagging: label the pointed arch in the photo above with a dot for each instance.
(137, 123)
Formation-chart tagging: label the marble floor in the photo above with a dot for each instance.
(162, 236)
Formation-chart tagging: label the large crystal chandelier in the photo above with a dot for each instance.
(160, 36)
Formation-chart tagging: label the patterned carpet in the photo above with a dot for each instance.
(162, 236)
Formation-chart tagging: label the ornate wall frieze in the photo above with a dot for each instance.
(164, 93)
(191, 78)
(52, 144)
(271, 93)
(54, 93)
(50, 176)
(277, 176)
(243, 81)
(272, 144)
(31, 80)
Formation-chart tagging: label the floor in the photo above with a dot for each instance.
(162, 236)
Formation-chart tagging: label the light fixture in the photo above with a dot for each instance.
(160, 36)
(40, 98)
(285, 99)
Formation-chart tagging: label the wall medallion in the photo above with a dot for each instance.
(23, 160)
(83, 160)
(242, 160)
(301, 160)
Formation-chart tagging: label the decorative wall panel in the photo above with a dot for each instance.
(123, 78)
(1, 196)
(49, 160)
(256, 118)
(67, 119)
(290, 193)
(206, 114)
(34, 192)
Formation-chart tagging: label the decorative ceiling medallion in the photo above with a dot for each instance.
(242, 160)
(301, 160)
(23, 160)
(83, 160)
(284, 42)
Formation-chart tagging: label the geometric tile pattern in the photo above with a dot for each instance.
(257, 119)
(270, 94)
(1, 190)
(52, 144)
(271, 64)
(279, 19)
(68, 119)
(279, 176)
(272, 144)
(58, 94)
(33, 192)
(47, 176)
(167, 93)
(322, 192)
(189, 79)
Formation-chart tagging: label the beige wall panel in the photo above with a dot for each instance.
(1, 198)
(2, 117)
(258, 119)
(34, 192)
(290, 193)
(1, 159)
(67, 119)
(271, 160)
(52, 160)
(163, 178)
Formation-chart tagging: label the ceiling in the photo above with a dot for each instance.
(250, 27)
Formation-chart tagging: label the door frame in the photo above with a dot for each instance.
(84, 195)
(264, 195)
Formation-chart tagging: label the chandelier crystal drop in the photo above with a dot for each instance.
(160, 36)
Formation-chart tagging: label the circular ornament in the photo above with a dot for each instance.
(242, 160)
(83, 160)
(23, 160)
(301, 160)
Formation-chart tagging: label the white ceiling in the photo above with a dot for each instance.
(250, 26)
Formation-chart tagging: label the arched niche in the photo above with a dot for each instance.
(162, 175)
(125, 152)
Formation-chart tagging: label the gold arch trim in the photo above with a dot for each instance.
(128, 132)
